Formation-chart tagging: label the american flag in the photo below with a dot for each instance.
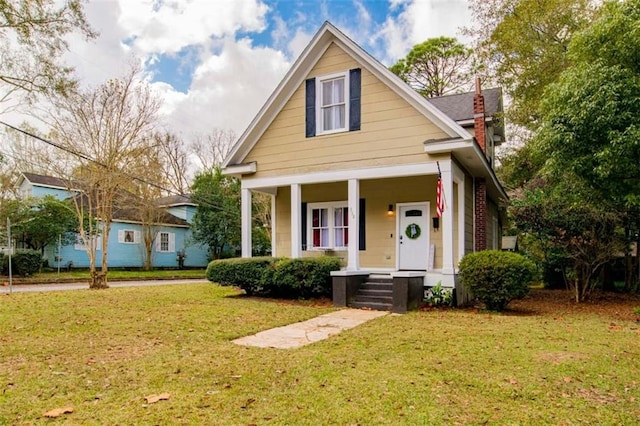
(439, 196)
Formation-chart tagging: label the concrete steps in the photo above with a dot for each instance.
(376, 293)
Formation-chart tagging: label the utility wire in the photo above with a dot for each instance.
(88, 158)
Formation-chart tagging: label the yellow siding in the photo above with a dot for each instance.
(392, 132)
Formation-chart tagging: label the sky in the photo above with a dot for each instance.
(214, 63)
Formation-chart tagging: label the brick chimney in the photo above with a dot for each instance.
(480, 185)
(479, 117)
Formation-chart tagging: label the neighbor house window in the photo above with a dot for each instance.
(96, 241)
(329, 225)
(128, 236)
(332, 97)
(166, 242)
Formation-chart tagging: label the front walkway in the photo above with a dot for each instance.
(310, 331)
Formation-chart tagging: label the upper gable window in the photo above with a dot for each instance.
(332, 103)
(332, 108)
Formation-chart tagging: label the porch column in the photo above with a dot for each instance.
(353, 257)
(447, 218)
(273, 227)
(459, 178)
(245, 216)
(296, 220)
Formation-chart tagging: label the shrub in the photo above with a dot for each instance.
(497, 277)
(267, 276)
(304, 278)
(246, 273)
(23, 262)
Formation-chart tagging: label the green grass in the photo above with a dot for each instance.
(114, 274)
(102, 352)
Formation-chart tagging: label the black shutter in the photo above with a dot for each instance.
(303, 225)
(362, 237)
(310, 113)
(354, 99)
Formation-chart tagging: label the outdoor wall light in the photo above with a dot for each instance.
(436, 223)
(390, 210)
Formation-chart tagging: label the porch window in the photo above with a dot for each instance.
(328, 225)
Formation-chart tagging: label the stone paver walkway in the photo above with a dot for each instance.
(313, 330)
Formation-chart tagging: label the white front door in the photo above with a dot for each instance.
(413, 236)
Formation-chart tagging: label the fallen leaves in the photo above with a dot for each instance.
(152, 399)
(58, 412)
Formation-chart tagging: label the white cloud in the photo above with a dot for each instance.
(227, 89)
(157, 26)
(420, 20)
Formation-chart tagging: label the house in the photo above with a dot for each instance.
(351, 156)
(125, 247)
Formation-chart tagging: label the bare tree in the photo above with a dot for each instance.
(175, 162)
(32, 39)
(105, 131)
(211, 149)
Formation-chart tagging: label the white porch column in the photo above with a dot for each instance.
(353, 257)
(447, 218)
(273, 227)
(245, 216)
(296, 221)
(459, 178)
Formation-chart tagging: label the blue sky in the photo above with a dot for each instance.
(213, 63)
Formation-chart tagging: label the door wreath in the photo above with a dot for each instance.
(413, 231)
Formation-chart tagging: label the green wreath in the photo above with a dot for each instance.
(413, 231)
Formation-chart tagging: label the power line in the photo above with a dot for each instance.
(90, 159)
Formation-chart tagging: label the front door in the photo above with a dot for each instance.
(413, 236)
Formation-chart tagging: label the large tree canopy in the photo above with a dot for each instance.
(217, 219)
(523, 46)
(32, 40)
(589, 135)
(436, 67)
(39, 222)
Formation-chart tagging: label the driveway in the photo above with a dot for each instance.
(24, 288)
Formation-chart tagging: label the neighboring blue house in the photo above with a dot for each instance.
(126, 248)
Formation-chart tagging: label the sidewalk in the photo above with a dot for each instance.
(310, 331)
(29, 288)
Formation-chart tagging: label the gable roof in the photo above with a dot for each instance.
(326, 35)
(460, 106)
(175, 200)
(42, 180)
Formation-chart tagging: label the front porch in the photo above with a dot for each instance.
(364, 217)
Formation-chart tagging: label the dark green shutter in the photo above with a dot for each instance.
(354, 99)
(310, 113)
(303, 225)
(362, 236)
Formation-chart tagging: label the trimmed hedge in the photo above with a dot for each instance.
(23, 262)
(497, 277)
(276, 277)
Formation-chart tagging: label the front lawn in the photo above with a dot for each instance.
(103, 352)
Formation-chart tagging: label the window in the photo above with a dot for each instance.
(329, 225)
(128, 236)
(332, 103)
(96, 241)
(166, 242)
